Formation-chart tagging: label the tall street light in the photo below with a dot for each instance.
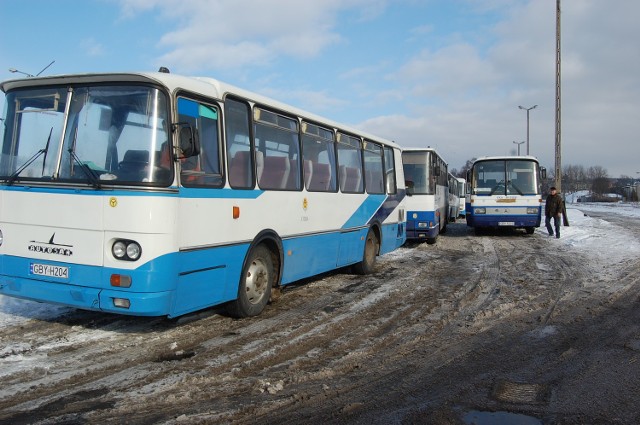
(528, 109)
(13, 71)
(518, 143)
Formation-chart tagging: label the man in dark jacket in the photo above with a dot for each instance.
(553, 209)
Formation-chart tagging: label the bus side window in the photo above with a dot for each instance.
(390, 170)
(318, 150)
(276, 137)
(350, 164)
(203, 168)
(373, 166)
(240, 169)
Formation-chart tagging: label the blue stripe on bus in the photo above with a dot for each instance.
(181, 282)
(365, 211)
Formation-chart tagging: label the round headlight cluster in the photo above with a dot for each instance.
(126, 250)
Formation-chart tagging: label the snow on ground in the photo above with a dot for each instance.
(599, 239)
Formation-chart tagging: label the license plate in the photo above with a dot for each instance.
(49, 270)
(506, 223)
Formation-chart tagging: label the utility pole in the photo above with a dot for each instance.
(558, 170)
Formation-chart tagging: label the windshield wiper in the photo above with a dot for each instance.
(95, 181)
(13, 177)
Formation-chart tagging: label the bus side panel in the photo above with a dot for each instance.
(393, 237)
(207, 277)
(310, 255)
(351, 247)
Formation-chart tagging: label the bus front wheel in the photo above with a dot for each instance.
(371, 248)
(257, 277)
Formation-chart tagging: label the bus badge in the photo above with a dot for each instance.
(113, 202)
(51, 247)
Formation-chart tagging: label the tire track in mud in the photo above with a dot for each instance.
(474, 297)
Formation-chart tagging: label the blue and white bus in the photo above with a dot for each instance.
(427, 180)
(504, 192)
(455, 198)
(155, 194)
(462, 187)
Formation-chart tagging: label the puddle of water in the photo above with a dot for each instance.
(476, 417)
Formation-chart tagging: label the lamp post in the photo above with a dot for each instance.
(528, 109)
(13, 71)
(518, 143)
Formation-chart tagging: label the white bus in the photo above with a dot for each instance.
(427, 182)
(462, 187)
(155, 194)
(505, 191)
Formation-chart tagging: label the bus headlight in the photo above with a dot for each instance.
(422, 225)
(126, 250)
(531, 210)
(480, 210)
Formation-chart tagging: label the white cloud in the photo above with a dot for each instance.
(232, 34)
(92, 48)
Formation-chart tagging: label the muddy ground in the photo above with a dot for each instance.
(497, 328)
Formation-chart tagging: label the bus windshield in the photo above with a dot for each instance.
(93, 135)
(505, 177)
(418, 172)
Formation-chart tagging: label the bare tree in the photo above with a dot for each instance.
(466, 167)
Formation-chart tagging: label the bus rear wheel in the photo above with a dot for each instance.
(371, 249)
(254, 290)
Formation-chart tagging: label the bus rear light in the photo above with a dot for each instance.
(121, 303)
(120, 280)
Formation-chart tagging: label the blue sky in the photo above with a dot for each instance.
(449, 74)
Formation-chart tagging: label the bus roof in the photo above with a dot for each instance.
(428, 149)
(206, 86)
(504, 157)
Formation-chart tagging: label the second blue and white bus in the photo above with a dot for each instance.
(427, 180)
(504, 192)
(155, 194)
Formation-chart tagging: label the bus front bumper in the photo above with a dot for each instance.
(86, 298)
(516, 221)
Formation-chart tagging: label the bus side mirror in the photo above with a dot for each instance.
(409, 185)
(543, 173)
(189, 141)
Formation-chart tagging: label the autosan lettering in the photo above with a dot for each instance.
(51, 247)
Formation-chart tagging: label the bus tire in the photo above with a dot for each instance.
(529, 230)
(254, 290)
(371, 248)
